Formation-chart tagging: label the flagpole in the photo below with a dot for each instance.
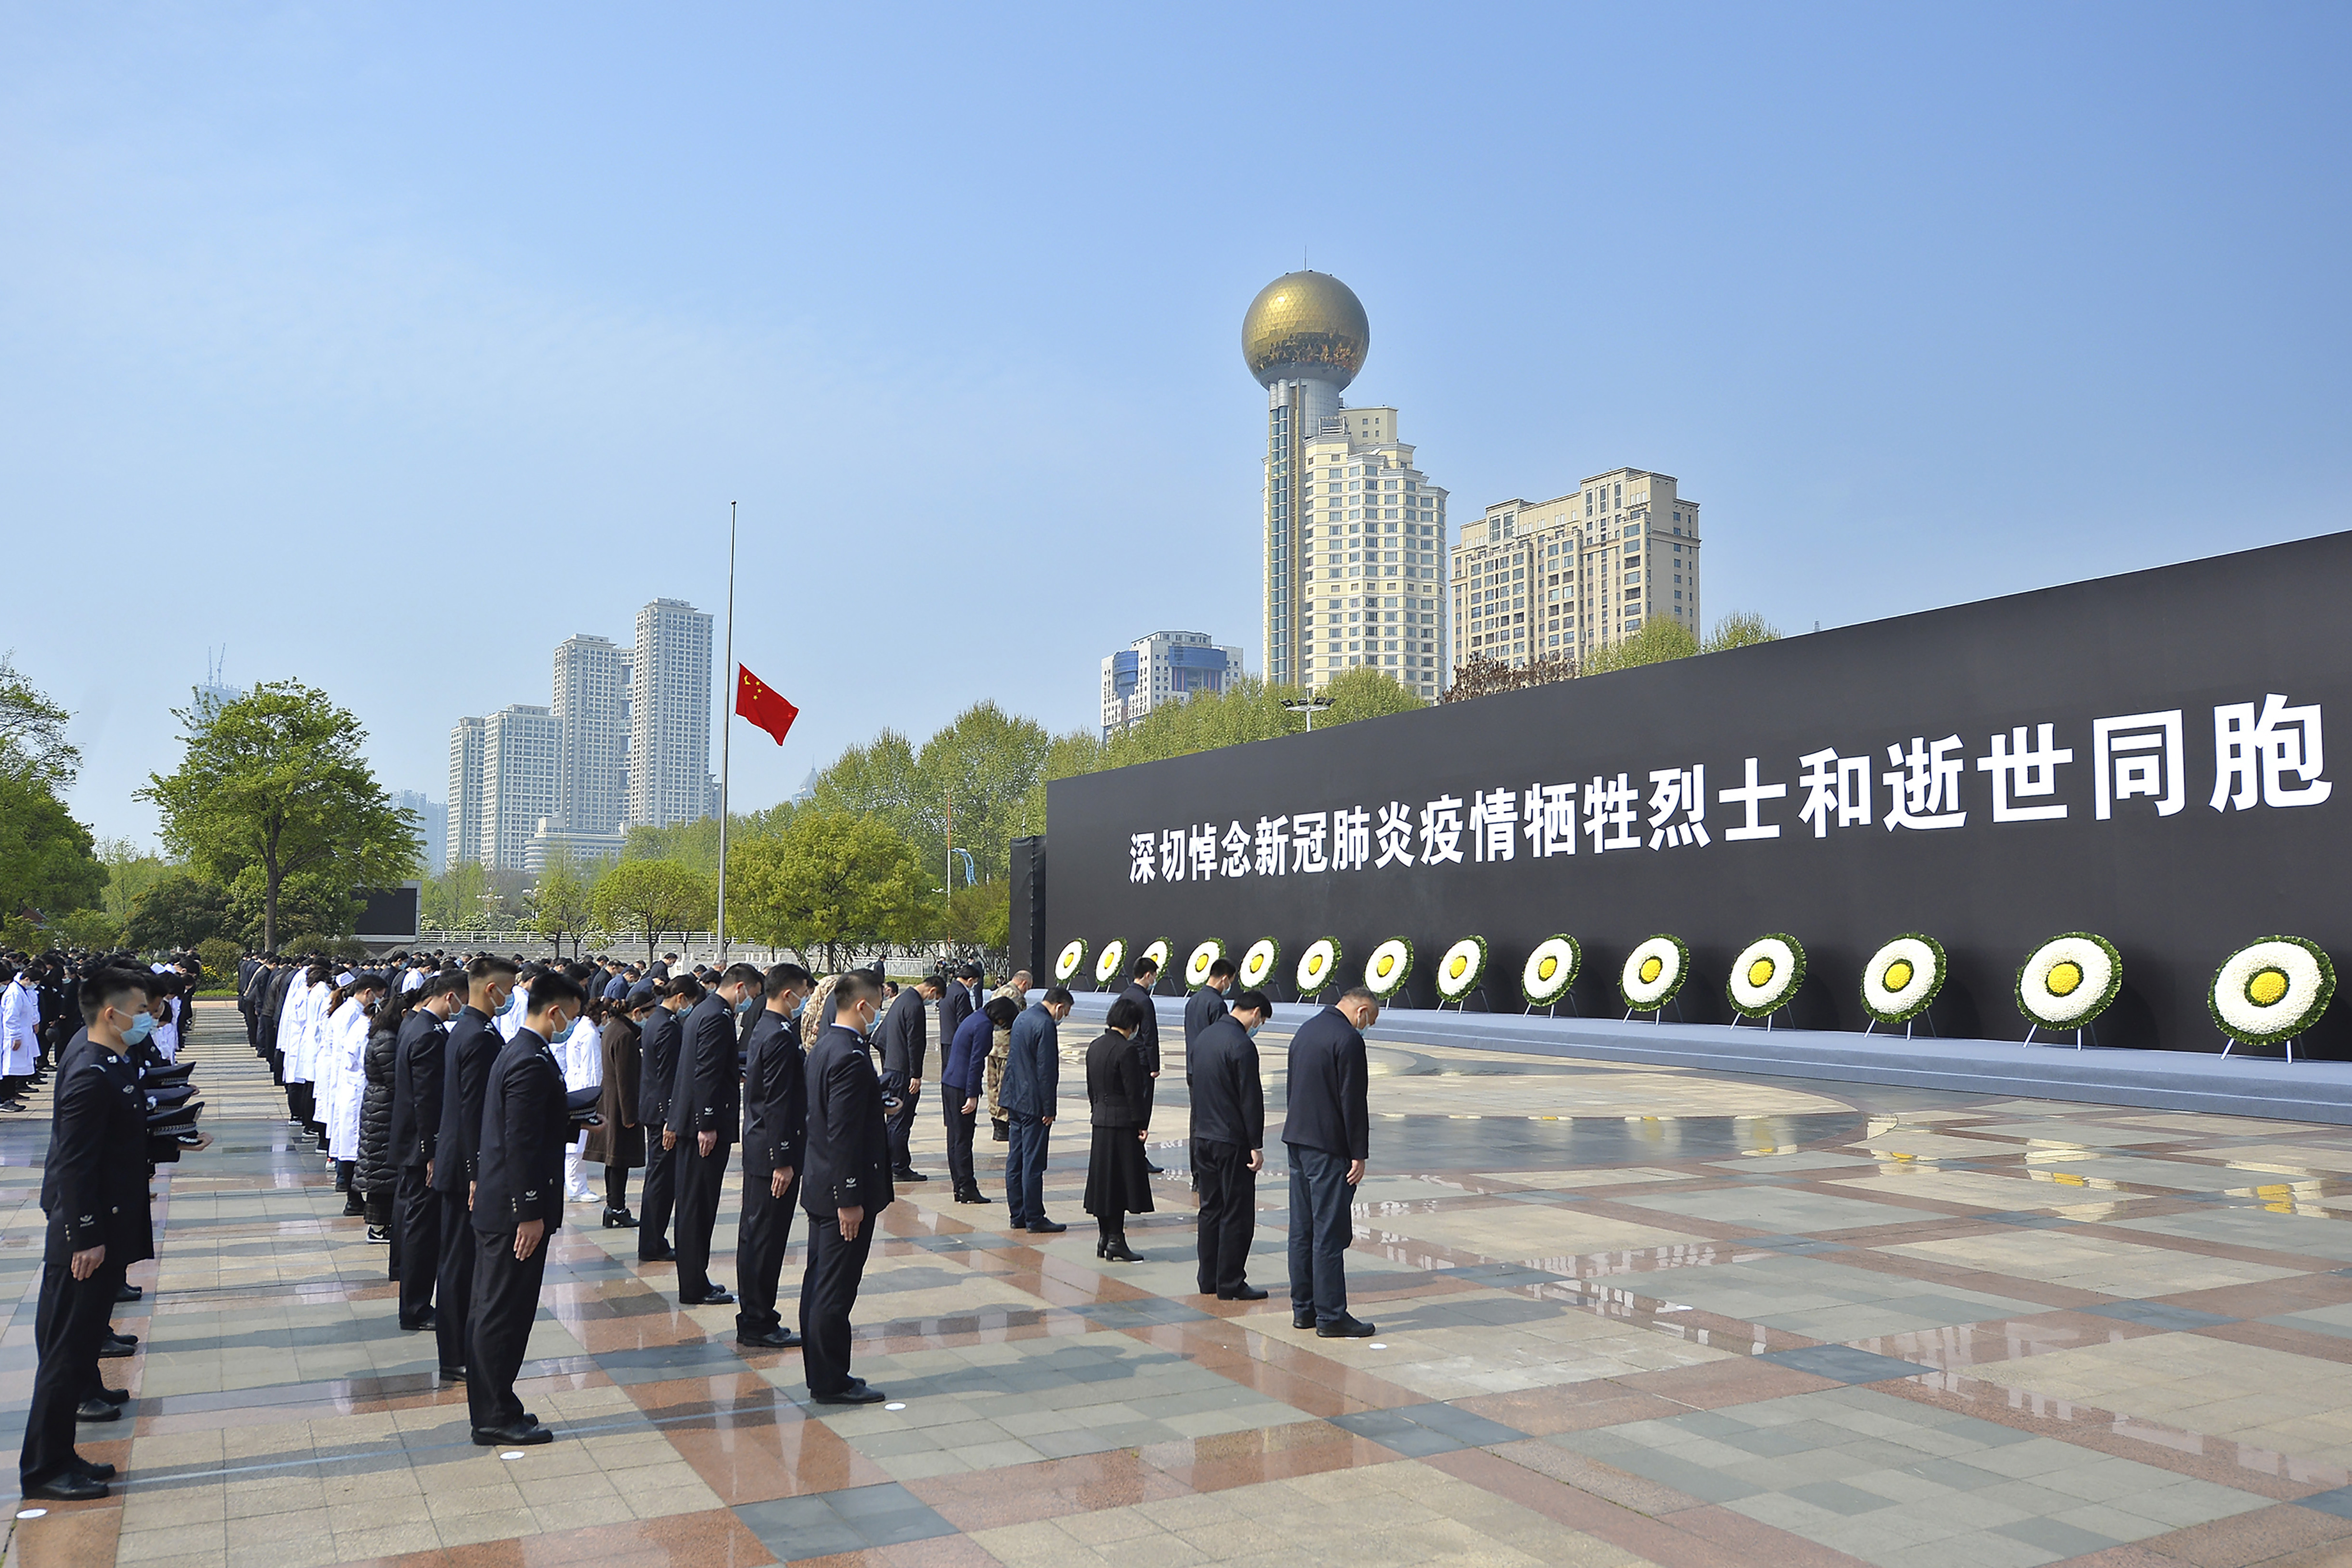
(727, 733)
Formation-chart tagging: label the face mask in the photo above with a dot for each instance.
(505, 1006)
(746, 1004)
(1254, 1028)
(141, 1025)
(564, 1033)
(798, 1005)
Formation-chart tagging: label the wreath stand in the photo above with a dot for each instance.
(1658, 1013)
(1551, 1008)
(1923, 1016)
(1461, 1003)
(1316, 995)
(2086, 1029)
(2229, 1042)
(1737, 1017)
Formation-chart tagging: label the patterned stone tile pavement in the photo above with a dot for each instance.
(1626, 1316)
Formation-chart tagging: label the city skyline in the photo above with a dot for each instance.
(312, 283)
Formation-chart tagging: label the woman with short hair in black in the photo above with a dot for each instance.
(1119, 1089)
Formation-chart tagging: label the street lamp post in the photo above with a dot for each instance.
(1307, 705)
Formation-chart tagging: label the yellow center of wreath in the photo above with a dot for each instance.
(1315, 964)
(1387, 961)
(2065, 979)
(1898, 974)
(2267, 989)
(1547, 969)
(1457, 966)
(1759, 973)
(1652, 967)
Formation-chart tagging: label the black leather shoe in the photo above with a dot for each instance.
(1299, 1320)
(97, 1410)
(71, 1486)
(113, 1395)
(453, 1374)
(1117, 1250)
(858, 1394)
(658, 1255)
(1246, 1293)
(117, 1337)
(620, 1219)
(521, 1435)
(1155, 1170)
(95, 1469)
(1046, 1228)
(425, 1319)
(975, 1198)
(114, 1350)
(773, 1340)
(909, 1175)
(714, 1297)
(1346, 1327)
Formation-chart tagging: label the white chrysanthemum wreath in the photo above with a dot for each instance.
(2272, 990)
(1197, 967)
(1550, 969)
(1653, 973)
(1902, 979)
(1459, 972)
(1389, 967)
(1067, 964)
(2068, 981)
(1111, 962)
(1259, 961)
(1318, 964)
(1766, 975)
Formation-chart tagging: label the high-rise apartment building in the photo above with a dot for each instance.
(1354, 561)
(464, 841)
(431, 820)
(670, 716)
(1581, 572)
(592, 714)
(1166, 666)
(520, 744)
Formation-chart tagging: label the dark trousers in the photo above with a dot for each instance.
(1228, 1215)
(1319, 1232)
(68, 1325)
(700, 1179)
(453, 1283)
(1024, 1169)
(959, 1124)
(760, 1240)
(901, 1128)
(661, 1173)
(505, 1299)
(828, 1291)
(416, 1229)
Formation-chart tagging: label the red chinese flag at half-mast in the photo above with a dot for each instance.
(764, 705)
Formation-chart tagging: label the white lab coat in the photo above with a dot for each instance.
(344, 1073)
(314, 1031)
(167, 1029)
(289, 1029)
(583, 1067)
(511, 1019)
(20, 1026)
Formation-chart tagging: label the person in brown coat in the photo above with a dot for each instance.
(619, 1146)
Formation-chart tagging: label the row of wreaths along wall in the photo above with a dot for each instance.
(2265, 992)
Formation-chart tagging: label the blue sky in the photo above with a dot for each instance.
(391, 345)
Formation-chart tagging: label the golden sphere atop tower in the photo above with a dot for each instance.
(1306, 326)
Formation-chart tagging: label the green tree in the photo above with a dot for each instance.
(1366, 693)
(695, 844)
(832, 879)
(456, 900)
(47, 859)
(275, 783)
(1741, 628)
(179, 911)
(129, 871)
(33, 744)
(87, 927)
(653, 897)
(1655, 643)
(561, 903)
(219, 955)
(979, 918)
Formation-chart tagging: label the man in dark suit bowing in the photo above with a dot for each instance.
(1145, 975)
(775, 1125)
(466, 1061)
(517, 1206)
(706, 1110)
(1206, 1005)
(1229, 1145)
(847, 1187)
(418, 1058)
(656, 1082)
(1327, 1135)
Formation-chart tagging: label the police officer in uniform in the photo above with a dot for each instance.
(466, 1061)
(847, 1187)
(775, 1121)
(706, 1110)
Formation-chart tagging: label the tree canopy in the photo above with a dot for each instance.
(48, 862)
(650, 897)
(832, 879)
(274, 785)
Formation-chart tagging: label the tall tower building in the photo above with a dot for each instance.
(1354, 561)
(465, 837)
(520, 746)
(670, 716)
(1581, 572)
(1166, 666)
(432, 819)
(591, 707)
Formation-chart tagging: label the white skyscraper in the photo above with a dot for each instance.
(432, 819)
(1355, 562)
(519, 747)
(465, 835)
(1166, 666)
(591, 707)
(670, 716)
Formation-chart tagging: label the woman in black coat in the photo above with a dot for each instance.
(376, 1175)
(1118, 1089)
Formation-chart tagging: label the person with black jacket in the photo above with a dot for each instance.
(843, 1190)
(776, 1124)
(706, 1110)
(1118, 1092)
(1327, 1135)
(419, 1058)
(374, 1179)
(472, 1046)
(518, 1206)
(1228, 1144)
(656, 1082)
(904, 1047)
(96, 1200)
(960, 1001)
(1205, 1007)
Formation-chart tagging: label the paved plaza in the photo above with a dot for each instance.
(1626, 1315)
